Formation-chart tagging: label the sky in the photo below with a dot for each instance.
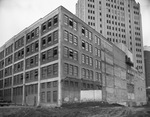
(16, 15)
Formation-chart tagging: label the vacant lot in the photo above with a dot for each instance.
(89, 111)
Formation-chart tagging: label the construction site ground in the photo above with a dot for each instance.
(75, 111)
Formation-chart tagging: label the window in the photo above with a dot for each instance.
(27, 63)
(36, 74)
(27, 76)
(66, 35)
(44, 41)
(65, 51)
(83, 31)
(96, 40)
(37, 32)
(55, 52)
(32, 34)
(49, 70)
(70, 37)
(83, 58)
(43, 56)
(87, 60)
(70, 22)
(49, 54)
(42, 96)
(36, 45)
(55, 36)
(86, 33)
(36, 60)
(87, 46)
(54, 96)
(27, 49)
(48, 84)
(90, 35)
(84, 85)
(75, 25)
(32, 75)
(55, 19)
(49, 39)
(49, 23)
(44, 27)
(32, 47)
(66, 19)
(48, 96)
(31, 61)
(87, 74)
(55, 83)
(75, 40)
(99, 53)
(70, 69)
(55, 69)
(83, 73)
(90, 48)
(43, 85)
(70, 53)
(91, 74)
(66, 66)
(75, 71)
(91, 61)
(96, 51)
(28, 37)
(83, 44)
(44, 72)
(75, 55)
(99, 65)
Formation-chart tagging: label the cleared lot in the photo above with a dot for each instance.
(89, 111)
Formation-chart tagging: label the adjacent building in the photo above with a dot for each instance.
(117, 20)
(60, 59)
(147, 72)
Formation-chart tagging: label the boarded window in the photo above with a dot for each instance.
(48, 96)
(66, 68)
(54, 96)
(42, 96)
(55, 35)
(49, 70)
(55, 69)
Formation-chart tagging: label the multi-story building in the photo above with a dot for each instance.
(117, 20)
(147, 72)
(61, 59)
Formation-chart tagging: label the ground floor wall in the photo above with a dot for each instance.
(148, 95)
(140, 91)
(76, 90)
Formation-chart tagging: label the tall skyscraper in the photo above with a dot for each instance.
(117, 20)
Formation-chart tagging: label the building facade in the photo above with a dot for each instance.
(60, 59)
(147, 72)
(117, 20)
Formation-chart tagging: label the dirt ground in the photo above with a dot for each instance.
(91, 111)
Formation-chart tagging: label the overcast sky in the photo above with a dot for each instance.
(15, 15)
